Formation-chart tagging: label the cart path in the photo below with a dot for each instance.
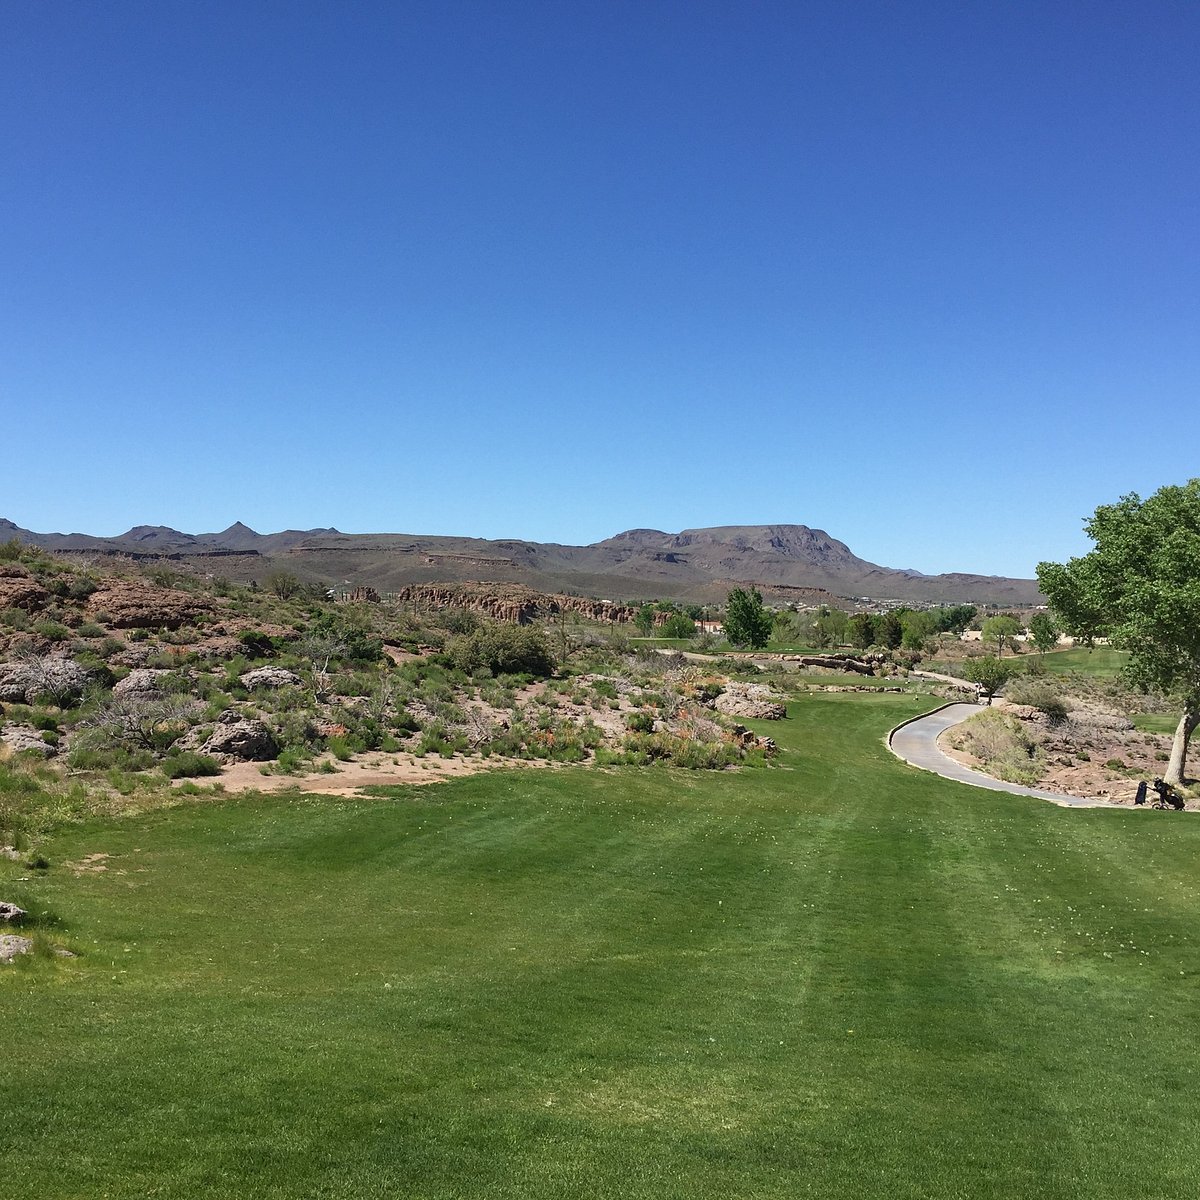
(916, 742)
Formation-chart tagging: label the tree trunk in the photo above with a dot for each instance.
(1187, 723)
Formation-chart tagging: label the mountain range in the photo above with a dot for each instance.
(784, 561)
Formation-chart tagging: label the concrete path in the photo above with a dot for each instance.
(916, 743)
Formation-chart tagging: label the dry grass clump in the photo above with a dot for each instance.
(1002, 744)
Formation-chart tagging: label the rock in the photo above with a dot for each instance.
(133, 604)
(749, 700)
(11, 913)
(19, 589)
(836, 662)
(270, 677)
(12, 944)
(513, 602)
(12, 684)
(135, 655)
(142, 681)
(55, 675)
(21, 738)
(240, 739)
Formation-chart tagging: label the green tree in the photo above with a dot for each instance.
(645, 619)
(678, 626)
(1001, 629)
(747, 622)
(955, 618)
(283, 583)
(918, 628)
(861, 630)
(1043, 629)
(991, 674)
(1140, 586)
(889, 631)
(830, 626)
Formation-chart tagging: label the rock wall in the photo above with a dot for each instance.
(517, 605)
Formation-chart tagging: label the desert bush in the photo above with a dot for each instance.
(256, 644)
(14, 618)
(283, 583)
(459, 621)
(149, 724)
(1002, 744)
(436, 739)
(291, 760)
(502, 650)
(81, 587)
(53, 631)
(1040, 693)
(643, 749)
(87, 755)
(296, 731)
(340, 748)
(109, 646)
(186, 764)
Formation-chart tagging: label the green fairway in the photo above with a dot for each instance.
(840, 977)
(1101, 660)
(1156, 722)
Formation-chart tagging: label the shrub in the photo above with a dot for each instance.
(678, 626)
(102, 758)
(53, 631)
(256, 644)
(291, 760)
(186, 764)
(458, 621)
(1039, 693)
(81, 587)
(436, 740)
(14, 618)
(1002, 745)
(503, 650)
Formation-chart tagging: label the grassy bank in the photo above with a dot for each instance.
(1101, 660)
(838, 978)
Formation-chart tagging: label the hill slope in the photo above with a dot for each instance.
(695, 564)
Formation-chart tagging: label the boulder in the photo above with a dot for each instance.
(19, 589)
(240, 739)
(749, 700)
(12, 944)
(19, 738)
(54, 675)
(12, 684)
(270, 677)
(11, 913)
(836, 662)
(134, 604)
(142, 681)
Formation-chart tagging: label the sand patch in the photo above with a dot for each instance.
(374, 768)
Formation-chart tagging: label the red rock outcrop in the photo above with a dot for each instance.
(515, 604)
(19, 589)
(132, 604)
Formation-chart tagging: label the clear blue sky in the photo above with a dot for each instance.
(923, 275)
